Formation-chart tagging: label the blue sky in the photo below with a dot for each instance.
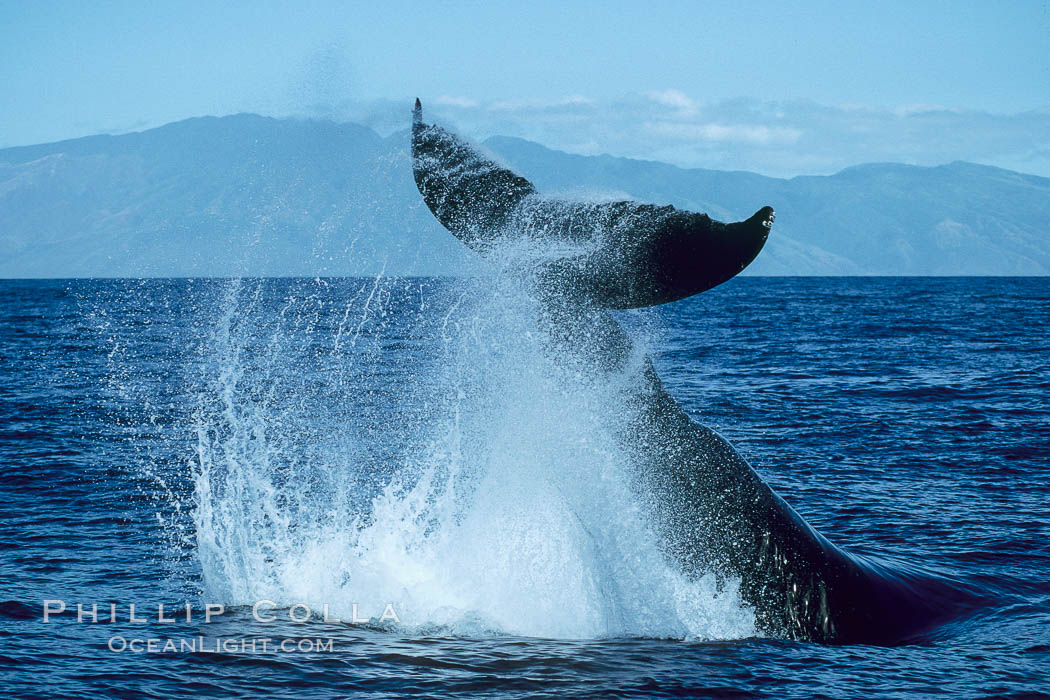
(780, 88)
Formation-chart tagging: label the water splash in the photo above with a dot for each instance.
(418, 447)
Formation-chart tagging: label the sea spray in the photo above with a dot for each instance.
(402, 442)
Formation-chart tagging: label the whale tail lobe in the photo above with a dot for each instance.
(470, 195)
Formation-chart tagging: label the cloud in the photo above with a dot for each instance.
(744, 133)
(672, 98)
(453, 101)
(537, 104)
(784, 138)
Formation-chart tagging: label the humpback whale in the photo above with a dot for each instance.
(711, 510)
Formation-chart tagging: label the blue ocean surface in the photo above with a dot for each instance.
(265, 457)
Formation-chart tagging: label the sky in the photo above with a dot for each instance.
(775, 87)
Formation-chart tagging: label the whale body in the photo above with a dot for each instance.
(710, 508)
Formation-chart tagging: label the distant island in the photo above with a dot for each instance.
(256, 196)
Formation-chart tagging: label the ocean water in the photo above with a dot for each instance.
(402, 454)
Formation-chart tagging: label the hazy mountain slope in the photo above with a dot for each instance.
(238, 195)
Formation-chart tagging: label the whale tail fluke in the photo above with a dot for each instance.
(637, 255)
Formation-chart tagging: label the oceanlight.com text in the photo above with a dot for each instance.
(220, 645)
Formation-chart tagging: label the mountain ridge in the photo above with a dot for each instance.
(252, 195)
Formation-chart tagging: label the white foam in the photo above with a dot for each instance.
(512, 511)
